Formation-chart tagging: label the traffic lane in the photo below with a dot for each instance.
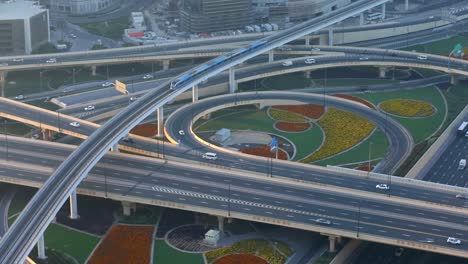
(185, 118)
(160, 171)
(413, 232)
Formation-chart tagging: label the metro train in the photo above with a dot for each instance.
(212, 63)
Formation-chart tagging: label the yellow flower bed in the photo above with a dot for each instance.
(408, 108)
(271, 255)
(342, 131)
(245, 246)
(286, 116)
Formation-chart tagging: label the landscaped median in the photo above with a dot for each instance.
(343, 130)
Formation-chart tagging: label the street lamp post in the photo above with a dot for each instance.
(358, 219)
(369, 161)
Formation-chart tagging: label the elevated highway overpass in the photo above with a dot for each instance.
(128, 178)
(39, 212)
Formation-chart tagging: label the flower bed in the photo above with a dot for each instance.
(309, 110)
(145, 130)
(407, 108)
(365, 168)
(271, 255)
(342, 130)
(240, 258)
(356, 99)
(285, 116)
(264, 151)
(292, 127)
(245, 246)
(125, 244)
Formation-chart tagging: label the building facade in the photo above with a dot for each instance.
(23, 27)
(82, 7)
(197, 16)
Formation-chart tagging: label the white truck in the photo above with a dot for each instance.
(462, 164)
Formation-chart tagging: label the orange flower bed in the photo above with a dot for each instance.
(365, 168)
(309, 110)
(356, 99)
(240, 258)
(145, 130)
(291, 127)
(125, 244)
(264, 151)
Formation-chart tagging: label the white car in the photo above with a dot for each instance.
(133, 98)
(75, 124)
(19, 97)
(107, 84)
(89, 108)
(51, 60)
(148, 76)
(181, 132)
(462, 196)
(309, 61)
(323, 221)
(315, 49)
(17, 59)
(454, 241)
(287, 63)
(382, 186)
(422, 57)
(363, 58)
(73, 36)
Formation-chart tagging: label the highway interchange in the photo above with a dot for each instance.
(131, 116)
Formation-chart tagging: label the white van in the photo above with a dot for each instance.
(462, 164)
(210, 156)
(287, 63)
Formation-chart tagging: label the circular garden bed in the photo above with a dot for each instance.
(240, 258)
(408, 108)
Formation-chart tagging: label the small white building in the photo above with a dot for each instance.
(212, 237)
(222, 134)
(138, 21)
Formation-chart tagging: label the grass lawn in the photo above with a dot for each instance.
(441, 47)
(305, 142)
(360, 152)
(76, 244)
(21, 198)
(164, 254)
(111, 29)
(325, 258)
(420, 128)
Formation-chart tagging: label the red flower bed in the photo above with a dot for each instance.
(309, 110)
(240, 258)
(125, 244)
(145, 130)
(264, 151)
(365, 168)
(292, 127)
(356, 99)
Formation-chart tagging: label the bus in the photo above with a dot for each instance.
(463, 128)
(374, 16)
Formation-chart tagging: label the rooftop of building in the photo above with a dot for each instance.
(19, 9)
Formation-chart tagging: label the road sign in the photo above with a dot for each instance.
(458, 50)
(121, 87)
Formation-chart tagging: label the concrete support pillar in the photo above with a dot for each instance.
(307, 74)
(51, 134)
(271, 56)
(232, 80)
(307, 41)
(115, 147)
(128, 207)
(384, 9)
(221, 224)
(44, 133)
(382, 72)
(41, 248)
(330, 37)
(332, 240)
(3, 76)
(406, 4)
(165, 64)
(453, 79)
(339, 240)
(195, 93)
(74, 206)
(93, 70)
(160, 116)
(361, 19)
